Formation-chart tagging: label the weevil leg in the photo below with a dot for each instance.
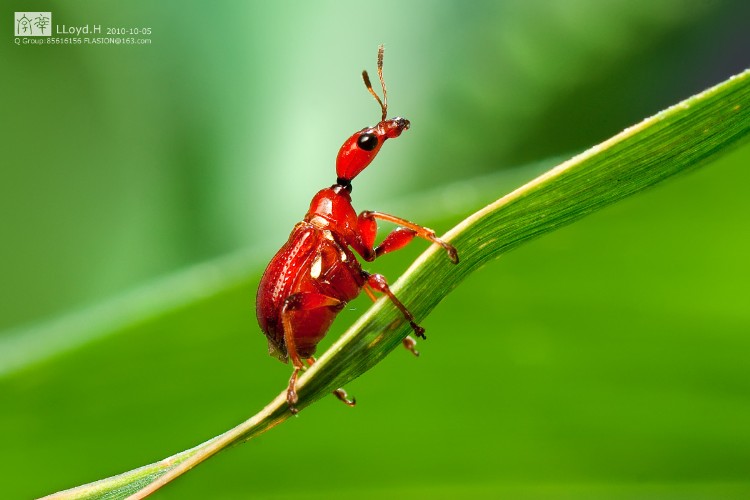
(395, 240)
(296, 302)
(291, 392)
(410, 344)
(370, 293)
(291, 347)
(403, 235)
(378, 282)
(340, 393)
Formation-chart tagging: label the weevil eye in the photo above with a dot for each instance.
(367, 141)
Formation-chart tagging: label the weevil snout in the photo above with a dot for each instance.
(393, 127)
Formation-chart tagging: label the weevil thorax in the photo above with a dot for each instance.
(361, 148)
(331, 209)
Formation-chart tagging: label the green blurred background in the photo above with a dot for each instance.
(608, 359)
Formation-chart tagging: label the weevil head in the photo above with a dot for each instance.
(361, 148)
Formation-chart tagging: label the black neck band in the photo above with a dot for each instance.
(345, 183)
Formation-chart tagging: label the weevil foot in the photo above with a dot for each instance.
(410, 344)
(344, 398)
(452, 252)
(418, 330)
(291, 400)
(291, 393)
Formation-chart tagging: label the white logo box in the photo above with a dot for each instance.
(33, 24)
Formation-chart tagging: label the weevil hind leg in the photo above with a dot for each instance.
(291, 393)
(340, 393)
(296, 302)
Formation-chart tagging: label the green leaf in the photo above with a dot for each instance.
(673, 141)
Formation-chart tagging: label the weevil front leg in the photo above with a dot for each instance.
(399, 237)
(299, 302)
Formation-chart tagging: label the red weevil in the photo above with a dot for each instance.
(315, 273)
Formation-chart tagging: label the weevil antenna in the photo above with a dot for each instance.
(366, 78)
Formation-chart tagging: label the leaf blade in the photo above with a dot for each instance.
(670, 142)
